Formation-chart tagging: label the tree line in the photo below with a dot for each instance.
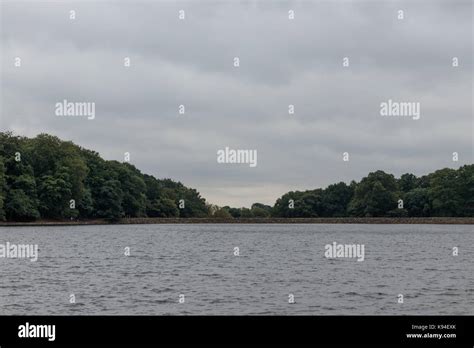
(444, 193)
(45, 177)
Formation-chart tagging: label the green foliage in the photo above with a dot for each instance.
(375, 195)
(234, 212)
(2, 190)
(19, 185)
(162, 207)
(133, 189)
(446, 192)
(20, 207)
(245, 213)
(407, 182)
(51, 173)
(466, 189)
(85, 205)
(54, 193)
(294, 204)
(260, 210)
(417, 202)
(40, 177)
(335, 199)
(109, 200)
(222, 213)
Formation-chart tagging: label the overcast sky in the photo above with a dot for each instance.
(282, 62)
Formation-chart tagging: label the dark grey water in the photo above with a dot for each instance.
(275, 260)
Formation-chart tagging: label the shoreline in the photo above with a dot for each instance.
(345, 220)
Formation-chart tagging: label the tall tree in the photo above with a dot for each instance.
(2, 189)
(375, 195)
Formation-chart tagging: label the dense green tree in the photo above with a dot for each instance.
(235, 212)
(2, 189)
(417, 202)
(54, 193)
(335, 199)
(44, 153)
(466, 189)
(20, 206)
(162, 207)
(445, 193)
(261, 210)
(245, 213)
(407, 182)
(375, 195)
(19, 184)
(194, 204)
(109, 201)
(52, 178)
(222, 213)
(85, 206)
(45, 177)
(133, 189)
(154, 188)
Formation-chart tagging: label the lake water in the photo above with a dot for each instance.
(198, 261)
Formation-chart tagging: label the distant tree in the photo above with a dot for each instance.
(40, 177)
(162, 207)
(375, 195)
(133, 189)
(222, 213)
(266, 207)
(45, 153)
(21, 198)
(54, 193)
(466, 189)
(282, 207)
(194, 204)
(335, 199)
(85, 205)
(2, 189)
(235, 212)
(109, 201)
(309, 203)
(20, 206)
(445, 193)
(417, 202)
(245, 213)
(407, 182)
(261, 210)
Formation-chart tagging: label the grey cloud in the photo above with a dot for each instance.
(282, 62)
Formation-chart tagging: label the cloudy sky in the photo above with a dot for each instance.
(282, 62)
